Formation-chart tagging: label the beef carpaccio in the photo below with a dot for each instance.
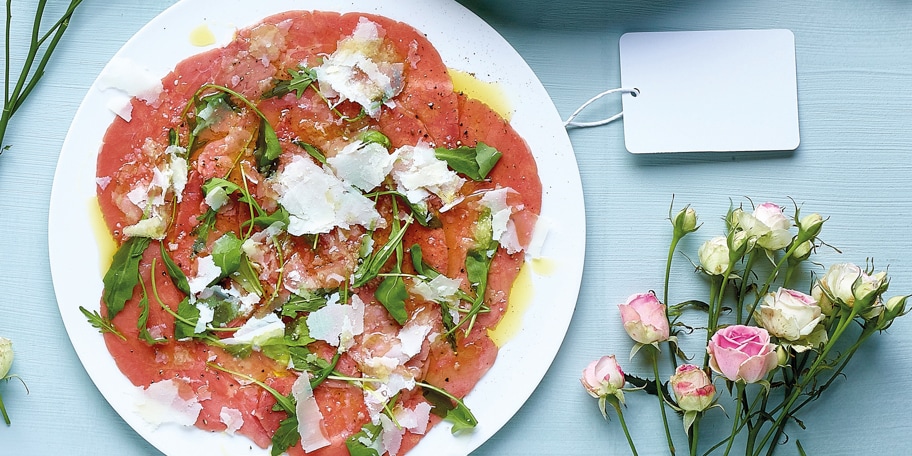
(316, 233)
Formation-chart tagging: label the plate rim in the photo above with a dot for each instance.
(61, 209)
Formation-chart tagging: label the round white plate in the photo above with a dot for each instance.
(466, 43)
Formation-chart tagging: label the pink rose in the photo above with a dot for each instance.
(644, 318)
(692, 388)
(742, 353)
(603, 377)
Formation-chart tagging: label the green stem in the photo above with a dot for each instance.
(6, 417)
(769, 281)
(661, 395)
(811, 374)
(28, 79)
(747, 270)
(737, 419)
(694, 437)
(671, 346)
(617, 408)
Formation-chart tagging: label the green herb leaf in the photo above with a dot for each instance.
(304, 301)
(392, 294)
(264, 220)
(185, 324)
(374, 136)
(142, 320)
(355, 443)
(227, 254)
(370, 267)
(247, 276)
(268, 149)
(123, 275)
(177, 275)
(207, 110)
(285, 436)
(300, 80)
(101, 323)
(474, 162)
(312, 151)
(201, 231)
(449, 407)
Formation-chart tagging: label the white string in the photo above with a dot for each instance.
(570, 123)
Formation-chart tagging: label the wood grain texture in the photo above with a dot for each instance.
(854, 165)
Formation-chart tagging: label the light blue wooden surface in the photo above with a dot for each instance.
(854, 164)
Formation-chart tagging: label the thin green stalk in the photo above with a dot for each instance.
(786, 409)
(737, 418)
(617, 407)
(6, 417)
(661, 395)
(694, 437)
(769, 281)
(747, 270)
(27, 79)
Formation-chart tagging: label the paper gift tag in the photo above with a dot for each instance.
(726, 90)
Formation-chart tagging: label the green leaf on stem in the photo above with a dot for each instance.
(474, 162)
(123, 275)
(177, 275)
(392, 294)
(103, 324)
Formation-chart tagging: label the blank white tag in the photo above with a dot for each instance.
(728, 90)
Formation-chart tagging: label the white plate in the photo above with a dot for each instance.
(466, 43)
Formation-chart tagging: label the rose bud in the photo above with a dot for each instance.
(644, 318)
(742, 353)
(692, 388)
(603, 377)
(714, 255)
(685, 221)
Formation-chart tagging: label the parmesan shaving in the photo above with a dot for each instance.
(310, 419)
(161, 403)
(338, 324)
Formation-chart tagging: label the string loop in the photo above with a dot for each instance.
(570, 123)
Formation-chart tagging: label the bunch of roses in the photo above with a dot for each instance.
(782, 339)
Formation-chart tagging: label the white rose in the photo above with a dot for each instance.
(714, 255)
(789, 314)
(844, 283)
(6, 356)
(768, 225)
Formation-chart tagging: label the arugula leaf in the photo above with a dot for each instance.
(268, 148)
(300, 80)
(247, 276)
(142, 320)
(311, 150)
(303, 301)
(264, 219)
(374, 136)
(185, 322)
(227, 254)
(207, 111)
(175, 272)
(449, 407)
(122, 276)
(101, 323)
(392, 294)
(370, 267)
(286, 435)
(201, 231)
(355, 442)
(474, 162)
